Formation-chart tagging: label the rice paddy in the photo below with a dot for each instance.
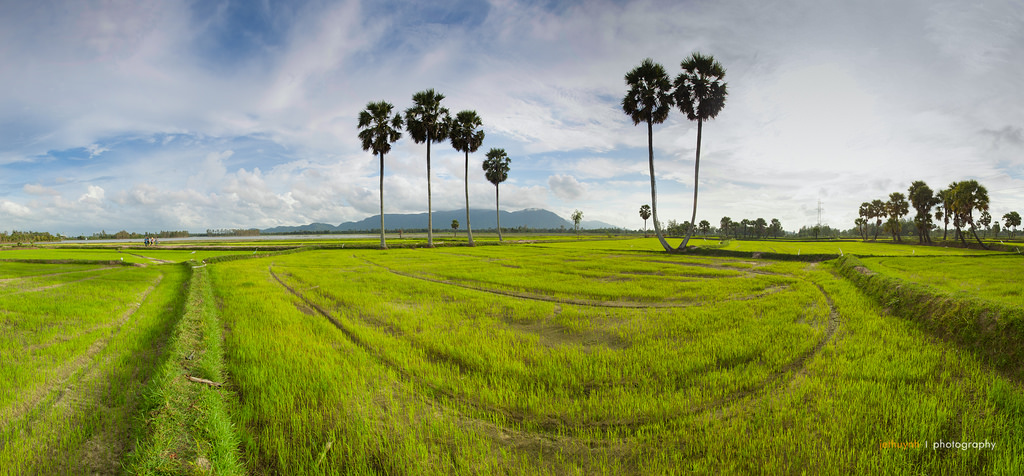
(590, 357)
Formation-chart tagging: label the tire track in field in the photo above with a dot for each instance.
(578, 302)
(153, 260)
(86, 361)
(556, 424)
(31, 276)
(15, 290)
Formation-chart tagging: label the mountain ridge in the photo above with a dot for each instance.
(534, 218)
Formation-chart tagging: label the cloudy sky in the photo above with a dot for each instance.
(175, 115)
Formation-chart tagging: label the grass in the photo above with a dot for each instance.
(549, 357)
(993, 278)
(72, 367)
(592, 359)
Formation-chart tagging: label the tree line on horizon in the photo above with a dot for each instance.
(428, 122)
(956, 204)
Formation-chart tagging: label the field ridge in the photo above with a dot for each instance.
(993, 331)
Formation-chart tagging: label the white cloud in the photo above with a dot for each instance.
(566, 187)
(94, 196)
(14, 209)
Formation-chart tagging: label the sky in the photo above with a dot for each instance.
(175, 115)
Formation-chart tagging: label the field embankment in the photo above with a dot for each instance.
(987, 326)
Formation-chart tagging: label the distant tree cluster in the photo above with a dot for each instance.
(957, 204)
(131, 235)
(229, 232)
(16, 236)
(750, 228)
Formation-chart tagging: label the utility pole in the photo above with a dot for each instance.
(819, 213)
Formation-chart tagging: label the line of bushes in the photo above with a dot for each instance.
(992, 331)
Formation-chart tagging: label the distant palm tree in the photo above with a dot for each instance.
(455, 227)
(645, 213)
(649, 100)
(922, 200)
(705, 227)
(968, 196)
(723, 227)
(426, 122)
(496, 169)
(896, 207)
(946, 202)
(878, 211)
(577, 217)
(466, 137)
(700, 94)
(776, 227)
(378, 130)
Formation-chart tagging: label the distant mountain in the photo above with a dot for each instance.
(481, 219)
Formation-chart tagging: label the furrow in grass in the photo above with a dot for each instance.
(46, 275)
(578, 302)
(549, 423)
(65, 372)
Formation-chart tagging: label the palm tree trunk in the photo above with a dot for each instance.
(469, 228)
(497, 211)
(975, 232)
(430, 216)
(383, 244)
(696, 174)
(654, 188)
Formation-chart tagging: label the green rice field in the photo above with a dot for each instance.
(566, 357)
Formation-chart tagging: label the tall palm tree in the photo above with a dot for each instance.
(645, 213)
(700, 94)
(378, 130)
(426, 121)
(649, 100)
(467, 137)
(496, 170)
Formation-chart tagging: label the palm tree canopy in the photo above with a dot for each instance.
(645, 211)
(464, 133)
(426, 118)
(378, 129)
(968, 196)
(699, 90)
(496, 166)
(649, 98)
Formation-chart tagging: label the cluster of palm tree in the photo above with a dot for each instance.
(429, 122)
(1011, 219)
(758, 227)
(698, 92)
(957, 203)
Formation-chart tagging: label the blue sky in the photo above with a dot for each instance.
(175, 115)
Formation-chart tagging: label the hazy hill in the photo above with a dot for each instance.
(534, 218)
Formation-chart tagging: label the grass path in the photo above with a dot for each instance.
(187, 427)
